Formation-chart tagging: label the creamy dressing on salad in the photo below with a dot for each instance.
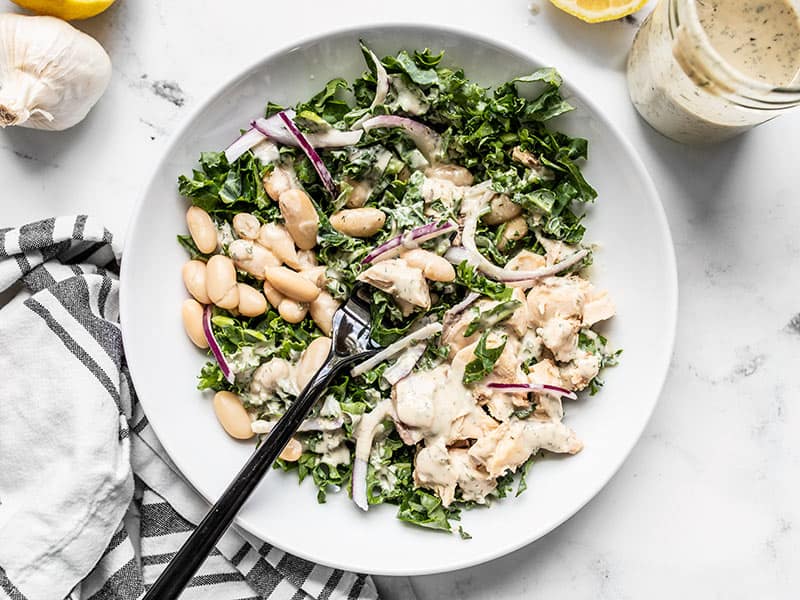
(436, 402)
(511, 444)
(433, 400)
(407, 100)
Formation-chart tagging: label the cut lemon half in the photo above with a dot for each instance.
(68, 10)
(596, 11)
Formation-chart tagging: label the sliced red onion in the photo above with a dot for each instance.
(426, 139)
(409, 240)
(227, 372)
(459, 254)
(457, 309)
(243, 143)
(305, 145)
(274, 128)
(472, 210)
(381, 87)
(334, 138)
(523, 278)
(359, 487)
(534, 387)
(420, 334)
(511, 278)
(404, 364)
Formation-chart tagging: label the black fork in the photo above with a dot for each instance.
(351, 343)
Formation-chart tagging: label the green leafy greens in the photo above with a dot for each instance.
(501, 135)
(485, 359)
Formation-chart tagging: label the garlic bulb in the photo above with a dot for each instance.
(51, 74)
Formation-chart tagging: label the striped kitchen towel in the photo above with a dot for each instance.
(90, 505)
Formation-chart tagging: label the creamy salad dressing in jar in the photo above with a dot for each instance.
(703, 71)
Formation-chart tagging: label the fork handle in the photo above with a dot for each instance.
(194, 551)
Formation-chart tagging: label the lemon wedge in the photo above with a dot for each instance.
(596, 11)
(68, 10)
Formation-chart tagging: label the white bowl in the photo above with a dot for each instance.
(635, 261)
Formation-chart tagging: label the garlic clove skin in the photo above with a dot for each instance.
(51, 74)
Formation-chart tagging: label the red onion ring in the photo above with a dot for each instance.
(227, 372)
(312, 155)
(533, 387)
(410, 239)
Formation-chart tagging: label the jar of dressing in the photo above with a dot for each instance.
(702, 71)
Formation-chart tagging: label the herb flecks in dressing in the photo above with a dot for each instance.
(759, 38)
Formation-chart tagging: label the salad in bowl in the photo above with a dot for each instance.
(460, 211)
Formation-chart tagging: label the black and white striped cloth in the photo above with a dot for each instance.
(90, 505)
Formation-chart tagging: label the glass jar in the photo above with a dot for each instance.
(702, 74)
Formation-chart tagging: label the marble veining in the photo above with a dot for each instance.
(169, 91)
(793, 326)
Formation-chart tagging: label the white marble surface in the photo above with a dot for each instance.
(708, 505)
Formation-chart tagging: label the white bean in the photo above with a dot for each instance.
(307, 259)
(458, 175)
(252, 303)
(277, 240)
(358, 222)
(322, 310)
(311, 360)
(291, 284)
(252, 258)
(301, 218)
(525, 260)
(232, 415)
(246, 226)
(515, 229)
(292, 311)
(274, 297)
(502, 209)
(315, 275)
(194, 278)
(221, 282)
(202, 229)
(277, 182)
(192, 314)
(358, 194)
(433, 266)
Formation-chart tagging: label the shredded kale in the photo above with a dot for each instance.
(223, 190)
(495, 315)
(425, 509)
(191, 248)
(470, 278)
(523, 473)
(596, 344)
(326, 104)
(325, 476)
(269, 332)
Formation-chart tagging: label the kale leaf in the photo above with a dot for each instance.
(425, 509)
(493, 316)
(485, 359)
(470, 278)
